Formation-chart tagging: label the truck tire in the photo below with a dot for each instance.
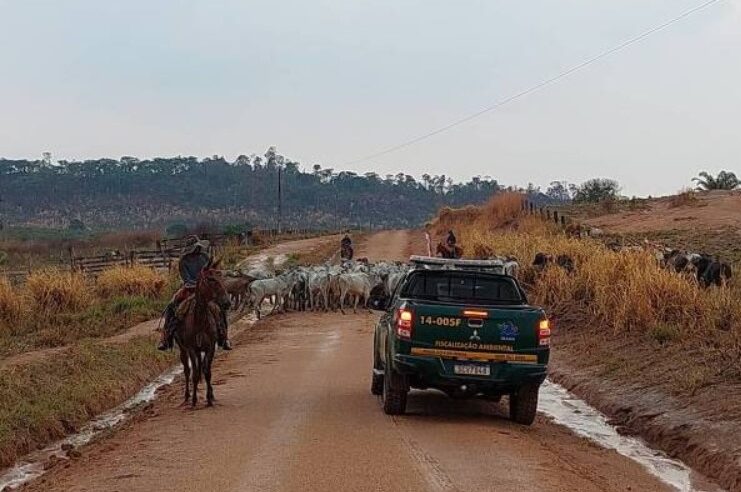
(523, 404)
(376, 383)
(394, 393)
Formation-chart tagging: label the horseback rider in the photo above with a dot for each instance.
(346, 251)
(451, 241)
(193, 259)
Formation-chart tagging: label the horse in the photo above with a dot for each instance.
(197, 334)
(450, 252)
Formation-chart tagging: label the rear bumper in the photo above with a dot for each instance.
(436, 372)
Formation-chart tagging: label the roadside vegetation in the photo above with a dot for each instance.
(53, 396)
(54, 308)
(613, 295)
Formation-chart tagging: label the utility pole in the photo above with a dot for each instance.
(280, 202)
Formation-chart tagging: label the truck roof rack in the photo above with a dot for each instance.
(437, 263)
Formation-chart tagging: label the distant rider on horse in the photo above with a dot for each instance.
(451, 241)
(346, 251)
(192, 261)
(450, 248)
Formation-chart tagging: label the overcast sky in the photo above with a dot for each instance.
(328, 82)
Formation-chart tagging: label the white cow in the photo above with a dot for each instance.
(262, 289)
(318, 286)
(358, 285)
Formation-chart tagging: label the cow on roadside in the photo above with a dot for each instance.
(237, 287)
(711, 271)
(543, 260)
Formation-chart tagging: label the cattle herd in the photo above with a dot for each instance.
(325, 287)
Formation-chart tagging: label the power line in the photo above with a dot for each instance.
(540, 85)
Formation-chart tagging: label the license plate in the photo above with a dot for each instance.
(471, 370)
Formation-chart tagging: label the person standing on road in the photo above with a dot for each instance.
(428, 239)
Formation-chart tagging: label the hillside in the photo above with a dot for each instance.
(707, 222)
(155, 193)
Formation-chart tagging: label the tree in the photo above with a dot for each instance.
(559, 191)
(725, 180)
(597, 190)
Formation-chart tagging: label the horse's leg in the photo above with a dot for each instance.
(186, 373)
(207, 361)
(195, 359)
(343, 294)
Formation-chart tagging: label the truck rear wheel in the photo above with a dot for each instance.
(523, 404)
(394, 393)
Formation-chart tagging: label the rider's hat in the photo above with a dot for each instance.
(193, 243)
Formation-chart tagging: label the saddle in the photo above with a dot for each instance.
(186, 305)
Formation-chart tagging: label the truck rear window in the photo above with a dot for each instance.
(462, 287)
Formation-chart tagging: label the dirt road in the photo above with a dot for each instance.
(294, 412)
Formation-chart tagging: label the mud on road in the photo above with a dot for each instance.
(294, 412)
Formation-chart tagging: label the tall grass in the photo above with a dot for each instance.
(13, 306)
(53, 291)
(130, 281)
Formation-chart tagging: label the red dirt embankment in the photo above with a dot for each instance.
(710, 211)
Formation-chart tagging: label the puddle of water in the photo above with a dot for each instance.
(32, 465)
(566, 409)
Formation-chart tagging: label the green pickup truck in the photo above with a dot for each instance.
(462, 327)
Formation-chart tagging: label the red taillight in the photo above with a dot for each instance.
(404, 324)
(544, 332)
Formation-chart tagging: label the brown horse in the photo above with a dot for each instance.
(449, 252)
(197, 334)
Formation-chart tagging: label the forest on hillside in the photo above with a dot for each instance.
(133, 193)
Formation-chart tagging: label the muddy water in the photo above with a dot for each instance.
(566, 409)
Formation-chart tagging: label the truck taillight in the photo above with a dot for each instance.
(544, 332)
(404, 324)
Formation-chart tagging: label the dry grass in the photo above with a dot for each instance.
(50, 397)
(502, 209)
(625, 294)
(53, 291)
(131, 281)
(13, 306)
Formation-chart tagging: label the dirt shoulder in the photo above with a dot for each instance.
(633, 382)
